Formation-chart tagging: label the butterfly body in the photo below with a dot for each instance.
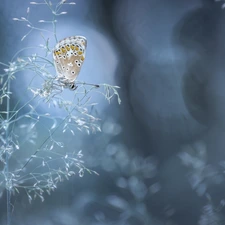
(69, 55)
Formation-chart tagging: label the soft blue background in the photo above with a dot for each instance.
(168, 59)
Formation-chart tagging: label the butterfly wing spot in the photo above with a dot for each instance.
(77, 63)
(63, 49)
(67, 47)
(57, 52)
(82, 58)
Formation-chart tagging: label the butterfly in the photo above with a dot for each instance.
(68, 56)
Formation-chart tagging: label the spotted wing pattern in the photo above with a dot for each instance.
(69, 55)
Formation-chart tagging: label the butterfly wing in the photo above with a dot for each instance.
(69, 55)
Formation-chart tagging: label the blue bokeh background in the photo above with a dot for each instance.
(159, 152)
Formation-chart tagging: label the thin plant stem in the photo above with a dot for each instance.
(8, 192)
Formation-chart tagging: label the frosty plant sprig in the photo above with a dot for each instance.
(36, 148)
(54, 10)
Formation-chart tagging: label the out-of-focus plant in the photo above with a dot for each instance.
(223, 4)
(211, 214)
(52, 161)
(202, 176)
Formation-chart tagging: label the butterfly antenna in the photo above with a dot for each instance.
(94, 85)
